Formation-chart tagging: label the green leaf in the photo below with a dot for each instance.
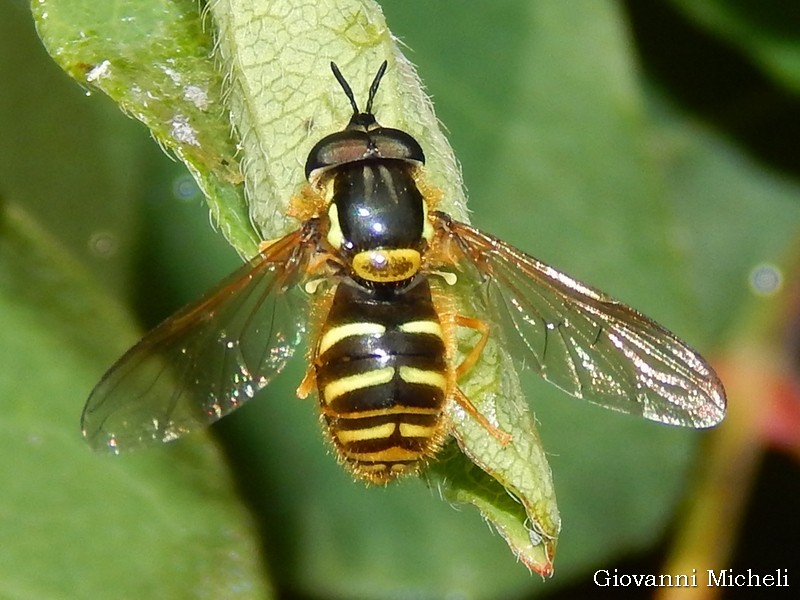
(76, 524)
(516, 468)
(155, 59)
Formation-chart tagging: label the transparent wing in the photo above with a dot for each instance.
(587, 343)
(208, 358)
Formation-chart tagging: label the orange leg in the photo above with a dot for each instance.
(471, 359)
(308, 384)
(497, 433)
(476, 351)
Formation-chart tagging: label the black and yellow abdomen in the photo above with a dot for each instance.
(382, 377)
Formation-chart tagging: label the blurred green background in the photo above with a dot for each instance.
(650, 149)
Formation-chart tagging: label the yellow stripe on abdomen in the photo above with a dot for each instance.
(409, 430)
(385, 455)
(435, 379)
(348, 436)
(427, 327)
(358, 381)
(336, 334)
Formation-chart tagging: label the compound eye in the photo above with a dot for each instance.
(397, 144)
(337, 149)
(350, 146)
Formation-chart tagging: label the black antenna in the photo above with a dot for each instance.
(373, 89)
(345, 86)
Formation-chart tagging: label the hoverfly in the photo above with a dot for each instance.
(377, 259)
